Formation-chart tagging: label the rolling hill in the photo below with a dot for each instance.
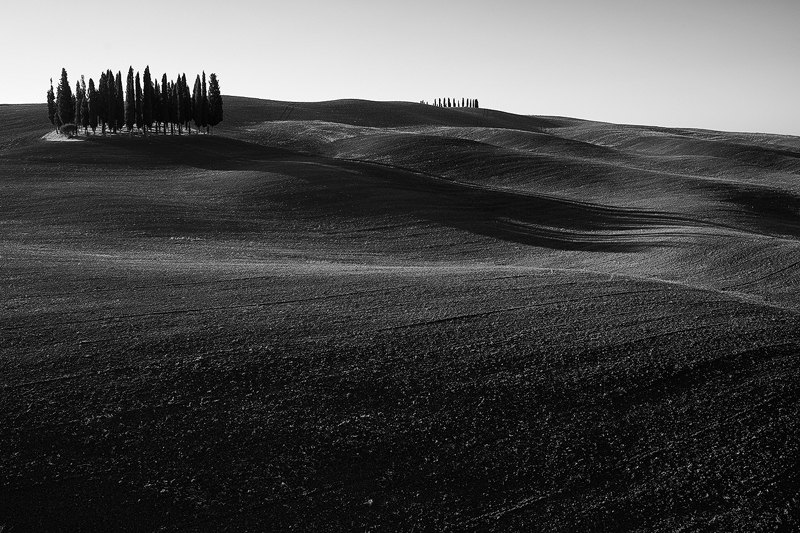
(357, 315)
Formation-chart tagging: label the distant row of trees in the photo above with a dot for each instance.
(142, 103)
(446, 102)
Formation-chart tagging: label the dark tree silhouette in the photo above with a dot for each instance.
(51, 104)
(165, 102)
(147, 100)
(84, 107)
(130, 102)
(156, 104)
(78, 103)
(197, 100)
(64, 104)
(181, 110)
(214, 101)
(119, 103)
(174, 107)
(92, 95)
(204, 104)
(102, 96)
(111, 101)
(138, 103)
(476, 103)
(188, 109)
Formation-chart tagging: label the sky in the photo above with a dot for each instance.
(730, 65)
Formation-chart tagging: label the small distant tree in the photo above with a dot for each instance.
(476, 103)
(130, 102)
(51, 104)
(64, 103)
(92, 95)
(69, 130)
(139, 121)
(214, 101)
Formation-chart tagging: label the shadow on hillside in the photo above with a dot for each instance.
(765, 210)
(351, 189)
(375, 190)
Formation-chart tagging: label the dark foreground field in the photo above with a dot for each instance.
(353, 316)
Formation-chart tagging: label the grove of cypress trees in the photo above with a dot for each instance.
(119, 104)
(138, 102)
(130, 102)
(64, 104)
(147, 100)
(92, 95)
(51, 104)
(214, 101)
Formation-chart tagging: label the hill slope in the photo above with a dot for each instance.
(349, 315)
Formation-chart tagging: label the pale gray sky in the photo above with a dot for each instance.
(716, 64)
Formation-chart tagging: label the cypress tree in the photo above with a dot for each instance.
(147, 100)
(476, 103)
(204, 105)
(179, 102)
(111, 101)
(84, 107)
(165, 101)
(214, 101)
(138, 103)
(197, 100)
(51, 104)
(78, 104)
(156, 104)
(119, 103)
(187, 104)
(64, 104)
(102, 94)
(174, 107)
(130, 102)
(92, 106)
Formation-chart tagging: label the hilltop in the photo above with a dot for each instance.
(352, 314)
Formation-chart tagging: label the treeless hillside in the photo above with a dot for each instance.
(358, 315)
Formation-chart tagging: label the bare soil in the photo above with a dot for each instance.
(386, 316)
